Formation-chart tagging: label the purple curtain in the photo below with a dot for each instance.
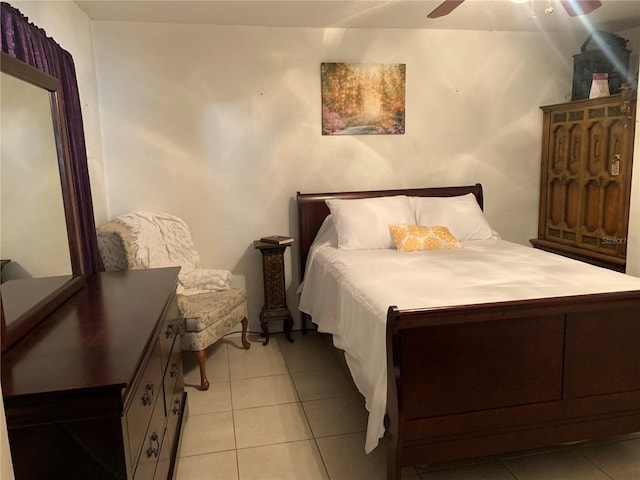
(30, 44)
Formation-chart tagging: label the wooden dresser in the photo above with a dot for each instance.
(96, 391)
(585, 186)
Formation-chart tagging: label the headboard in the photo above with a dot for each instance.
(312, 209)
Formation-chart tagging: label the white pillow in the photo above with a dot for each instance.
(363, 223)
(460, 214)
(327, 235)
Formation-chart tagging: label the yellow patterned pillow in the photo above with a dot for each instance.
(410, 238)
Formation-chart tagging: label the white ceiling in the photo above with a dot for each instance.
(500, 15)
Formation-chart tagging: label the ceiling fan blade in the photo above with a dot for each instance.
(580, 7)
(445, 8)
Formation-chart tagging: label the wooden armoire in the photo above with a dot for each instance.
(585, 185)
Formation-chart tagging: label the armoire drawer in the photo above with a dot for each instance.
(145, 396)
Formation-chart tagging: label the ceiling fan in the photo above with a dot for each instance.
(573, 7)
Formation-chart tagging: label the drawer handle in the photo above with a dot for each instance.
(176, 406)
(147, 398)
(174, 370)
(170, 333)
(151, 451)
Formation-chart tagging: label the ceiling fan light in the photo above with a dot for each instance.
(549, 9)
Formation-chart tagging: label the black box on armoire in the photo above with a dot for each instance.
(608, 55)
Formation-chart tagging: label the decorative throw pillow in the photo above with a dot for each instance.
(460, 214)
(410, 238)
(363, 223)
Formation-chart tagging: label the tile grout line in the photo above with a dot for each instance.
(233, 414)
(293, 360)
(506, 467)
(298, 401)
(590, 462)
(313, 435)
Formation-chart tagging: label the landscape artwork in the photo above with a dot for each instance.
(363, 99)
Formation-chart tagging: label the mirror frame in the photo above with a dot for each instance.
(26, 322)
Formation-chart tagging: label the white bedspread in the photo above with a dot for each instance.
(347, 293)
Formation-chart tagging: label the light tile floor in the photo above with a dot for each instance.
(291, 411)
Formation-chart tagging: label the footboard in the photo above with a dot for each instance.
(476, 380)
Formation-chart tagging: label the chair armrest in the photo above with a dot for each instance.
(117, 247)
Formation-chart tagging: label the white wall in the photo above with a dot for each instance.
(633, 236)
(221, 125)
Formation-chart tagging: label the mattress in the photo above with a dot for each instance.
(347, 293)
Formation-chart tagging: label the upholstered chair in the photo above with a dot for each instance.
(209, 311)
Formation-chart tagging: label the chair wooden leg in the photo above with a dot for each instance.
(201, 356)
(245, 343)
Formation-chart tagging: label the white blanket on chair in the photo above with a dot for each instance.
(164, 240)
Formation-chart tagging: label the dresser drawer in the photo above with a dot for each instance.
(151, 445)
(164, 460)
(173, 390)
(171, 329)
(173, 375)
(175, 409)
(145, 396)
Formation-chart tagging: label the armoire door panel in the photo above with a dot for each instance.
(616, 138)
(611, 209)
(592, 206)
(572, 210)
(557, 201)
(616, 145)
(575, 150)
(597, 149)
(560, 150)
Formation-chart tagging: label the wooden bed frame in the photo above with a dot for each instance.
(472, 380)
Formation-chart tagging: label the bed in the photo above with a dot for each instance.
(483, 349)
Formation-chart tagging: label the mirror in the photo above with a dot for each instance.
(30, 188)
(38, 256)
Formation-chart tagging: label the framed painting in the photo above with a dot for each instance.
(363, 99)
